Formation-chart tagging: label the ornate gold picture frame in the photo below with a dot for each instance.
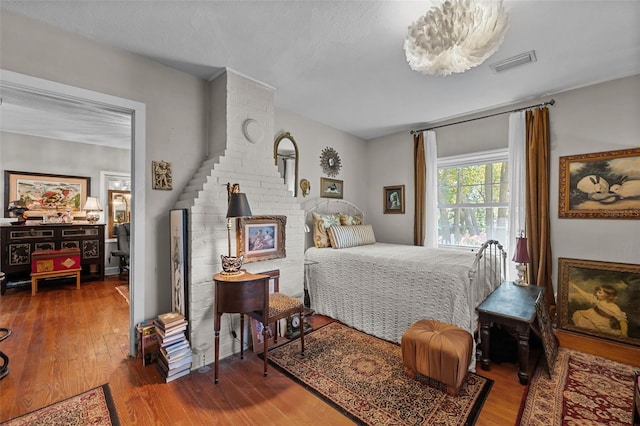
(603, 185)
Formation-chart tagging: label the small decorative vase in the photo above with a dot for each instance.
(231, 265)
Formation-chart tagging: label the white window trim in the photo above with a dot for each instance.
(472, 159)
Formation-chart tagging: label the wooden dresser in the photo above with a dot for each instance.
(18, 242)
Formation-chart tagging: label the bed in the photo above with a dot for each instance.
(382, 289)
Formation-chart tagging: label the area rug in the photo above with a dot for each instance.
(124, 291)
(93, 407)
(363, 377)
(583, 390)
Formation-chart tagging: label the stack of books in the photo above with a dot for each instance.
(148, 342)
(175, 358)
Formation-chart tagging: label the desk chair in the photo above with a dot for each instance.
(243, 294)
(280, 306)
(123, 233)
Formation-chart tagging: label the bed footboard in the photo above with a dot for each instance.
(488, 271)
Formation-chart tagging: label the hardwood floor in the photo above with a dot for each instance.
(65, 341)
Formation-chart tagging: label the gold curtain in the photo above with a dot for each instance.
(420, 182)
(537, 203)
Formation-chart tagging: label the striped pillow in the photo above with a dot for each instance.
(351, 236)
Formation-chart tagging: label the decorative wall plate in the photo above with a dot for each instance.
(252, 130)
(330, 162)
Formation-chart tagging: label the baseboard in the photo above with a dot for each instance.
(615, 351)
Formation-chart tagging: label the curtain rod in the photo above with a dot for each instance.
(544, 104)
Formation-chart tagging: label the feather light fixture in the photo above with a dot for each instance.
(455, 36)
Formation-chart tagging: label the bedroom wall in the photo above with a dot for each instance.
(311, 138)
(602, 117)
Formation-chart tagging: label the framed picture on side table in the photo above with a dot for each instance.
(261, 238)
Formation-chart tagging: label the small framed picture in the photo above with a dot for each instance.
(393, 199)
(261, 237)
(331, 188)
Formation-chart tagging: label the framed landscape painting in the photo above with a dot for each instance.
(43, 193)
(601, 299)
(261, 237)
(604, 185)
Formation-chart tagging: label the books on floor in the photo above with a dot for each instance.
(149, 342)
(174, 353)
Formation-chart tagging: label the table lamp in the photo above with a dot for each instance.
(238, 207)
(521, 257)
(92, 207)
(17, 209)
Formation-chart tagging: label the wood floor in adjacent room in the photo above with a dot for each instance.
(65, 341)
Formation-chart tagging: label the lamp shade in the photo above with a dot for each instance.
(238, 205)
(521, 255)
(92, 204)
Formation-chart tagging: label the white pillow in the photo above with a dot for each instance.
(351, 236)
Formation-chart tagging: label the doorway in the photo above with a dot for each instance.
(10, 80)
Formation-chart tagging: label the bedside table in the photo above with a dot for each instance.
(514, 307)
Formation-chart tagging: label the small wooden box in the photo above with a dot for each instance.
(55, 260)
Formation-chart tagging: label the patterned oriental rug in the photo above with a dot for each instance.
(93, 407)
(363, 377)
(583, 390)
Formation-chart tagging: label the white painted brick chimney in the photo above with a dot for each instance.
(234, 159)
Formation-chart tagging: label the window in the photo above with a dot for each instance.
(473, 198)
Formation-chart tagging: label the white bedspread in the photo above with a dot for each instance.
(382, 289)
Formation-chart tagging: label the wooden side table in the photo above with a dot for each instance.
(239, 294)
(514, 307)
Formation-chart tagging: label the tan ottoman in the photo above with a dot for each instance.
(439, 351)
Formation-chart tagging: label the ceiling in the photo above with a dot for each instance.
(341, 63)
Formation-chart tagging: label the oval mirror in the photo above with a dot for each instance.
(285, 154)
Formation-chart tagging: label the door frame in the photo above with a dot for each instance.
(137, 110)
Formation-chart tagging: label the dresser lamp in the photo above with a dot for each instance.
(238, 207)
(17, 209)
(93, 209)
(521, 257)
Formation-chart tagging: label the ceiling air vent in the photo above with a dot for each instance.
(514, 61)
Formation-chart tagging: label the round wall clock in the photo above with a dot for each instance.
(330, 162)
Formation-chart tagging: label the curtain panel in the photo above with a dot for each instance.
(517, 185)
(419, 182)
(537, 204)
(431, 209)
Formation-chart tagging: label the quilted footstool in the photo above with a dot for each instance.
(439, 351)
